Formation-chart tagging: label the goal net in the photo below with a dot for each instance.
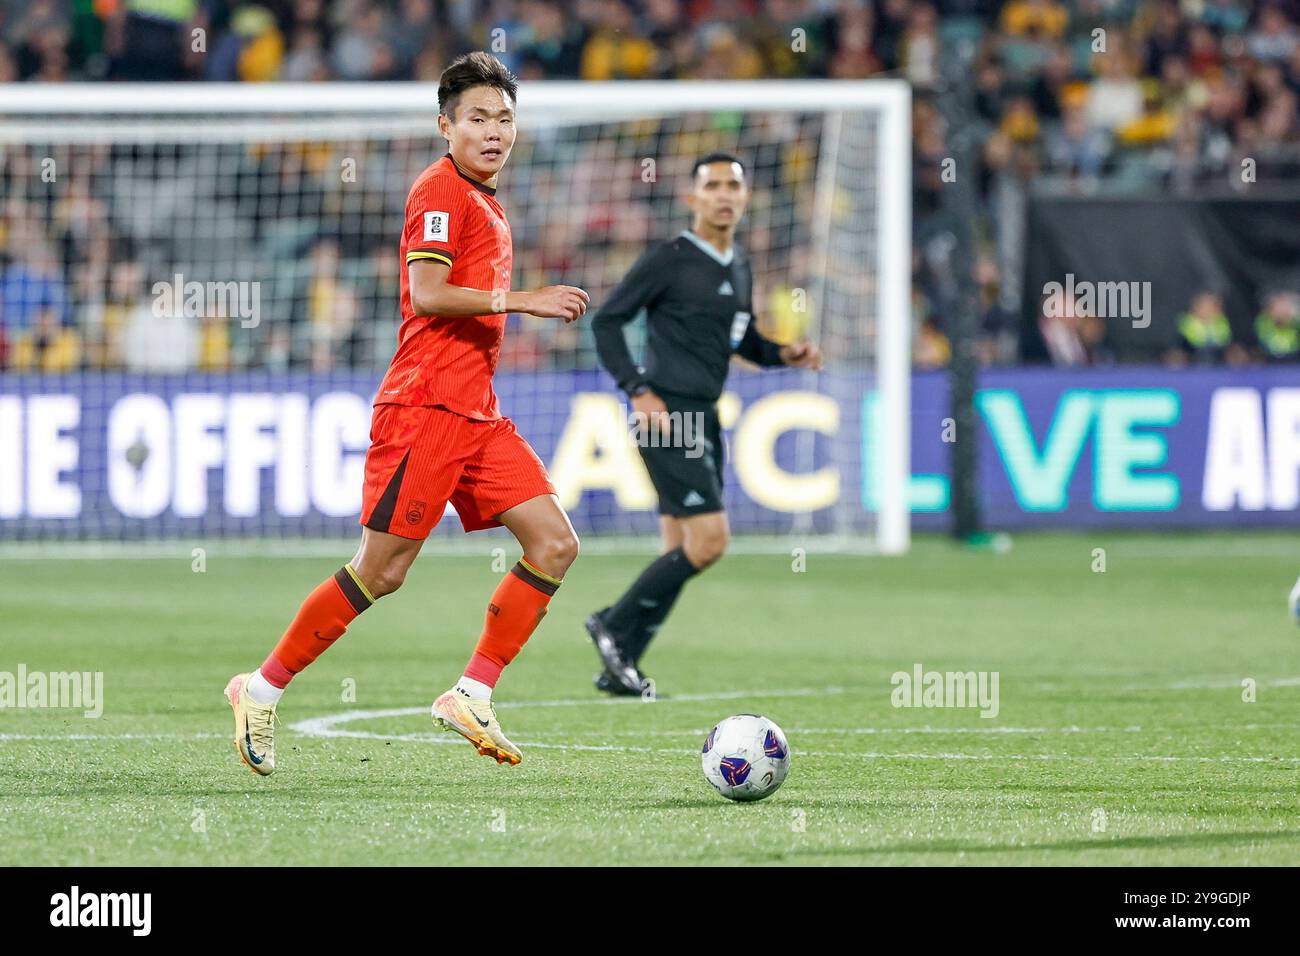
(201, 295)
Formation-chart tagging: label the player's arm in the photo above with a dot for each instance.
(763, 351)
(432, 294)
(437, 221)
(638, 289)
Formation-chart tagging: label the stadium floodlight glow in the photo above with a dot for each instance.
(832, 210)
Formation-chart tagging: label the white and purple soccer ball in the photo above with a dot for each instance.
(746, 757)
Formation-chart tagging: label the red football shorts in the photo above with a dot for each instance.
(423, 456)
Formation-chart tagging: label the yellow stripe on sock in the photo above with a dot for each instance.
(541, 574)
(361, 584)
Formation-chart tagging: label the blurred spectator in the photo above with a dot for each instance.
(42, 36)
(252, 50)
(360, 49)
(1035, 19)
(1092, 332)
(150, 39)
(1062, 327)
(996, 341)
(854, 57)
(796, 41)
(930, 347)
(1203, 55)
(1273, 37)
(1225, 16)
(166, 342)
(1155, 125)
(554, 43)
(1019, 121)
(1205, 335)
(919, 48)
(1077, 149)
(1166, 39)
(35, 308)
(1277, 327)
(305, 60)
(1171, 94)
(615, 51)
(1115, 98)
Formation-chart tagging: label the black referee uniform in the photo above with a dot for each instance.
(699, 311)
(699, 306)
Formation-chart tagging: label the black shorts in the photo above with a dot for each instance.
(686, 470)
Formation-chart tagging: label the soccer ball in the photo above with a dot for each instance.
(746, 757)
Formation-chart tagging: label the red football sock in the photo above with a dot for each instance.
(321, 620)
(517, 607)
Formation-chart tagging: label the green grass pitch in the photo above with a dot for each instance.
(1122, 735)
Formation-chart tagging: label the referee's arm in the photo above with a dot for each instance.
(639, 288)
(757, 349)
(762, 351)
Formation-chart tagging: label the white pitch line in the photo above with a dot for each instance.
(964, 730)
(328, 727)
(1022, 730)
(942, 731)
(1225, 758)
(314, 730)
(323, 726)
(1215, 683)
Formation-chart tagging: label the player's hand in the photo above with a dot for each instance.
(802, 355)
(565, 302)
(649, 409)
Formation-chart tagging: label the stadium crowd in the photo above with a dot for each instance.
(1086, 97)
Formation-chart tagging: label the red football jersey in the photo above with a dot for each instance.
(449, 360)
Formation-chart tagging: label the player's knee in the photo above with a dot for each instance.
(557, 552)
(707, 547)
(387, 580)
(714, 549)
(566, 549)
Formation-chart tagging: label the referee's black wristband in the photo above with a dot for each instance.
(637, 384)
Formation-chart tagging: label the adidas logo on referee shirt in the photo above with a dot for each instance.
(693, 499)
(725, 288)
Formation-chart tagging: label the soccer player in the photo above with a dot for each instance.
(437, 434)
(696, 289)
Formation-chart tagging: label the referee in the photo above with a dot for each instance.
(696, 289)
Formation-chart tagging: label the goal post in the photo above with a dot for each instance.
(292, 195)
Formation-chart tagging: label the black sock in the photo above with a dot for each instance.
(635, 645)
(648, 601)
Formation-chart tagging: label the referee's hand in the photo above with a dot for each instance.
(650, 411)
(565, 302)
(802, 355)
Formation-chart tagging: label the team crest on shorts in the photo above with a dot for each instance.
(415, 512)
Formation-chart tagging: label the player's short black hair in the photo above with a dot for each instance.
(471, 70)
(715, 158)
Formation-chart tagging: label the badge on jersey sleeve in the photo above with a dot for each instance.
(738, 325)
(437, 227)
